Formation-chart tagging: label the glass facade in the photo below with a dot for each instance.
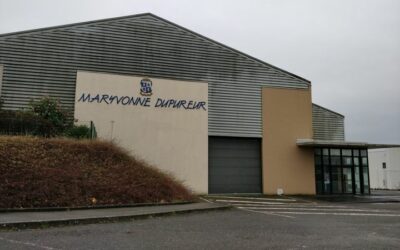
(341, 171)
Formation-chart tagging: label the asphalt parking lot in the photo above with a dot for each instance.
(254, 223)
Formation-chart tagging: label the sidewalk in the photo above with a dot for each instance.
(18, 220)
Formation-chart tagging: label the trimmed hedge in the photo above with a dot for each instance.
(40, 172)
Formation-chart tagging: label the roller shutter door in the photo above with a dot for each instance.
(234, 165)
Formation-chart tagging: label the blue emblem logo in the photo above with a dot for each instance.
(145, 87)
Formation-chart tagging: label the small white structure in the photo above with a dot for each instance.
(384, 168)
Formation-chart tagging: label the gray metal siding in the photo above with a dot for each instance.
(45, 62)
(234, 165)
(1, 79)
(327, 125)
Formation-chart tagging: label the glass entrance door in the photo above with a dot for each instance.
(357, 173)
(347, 166)
(347, 181)
(341, 171)
(364, 171)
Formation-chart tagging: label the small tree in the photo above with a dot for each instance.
(50, 110)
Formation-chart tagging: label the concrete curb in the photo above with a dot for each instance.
(104, 219)
(49, 209)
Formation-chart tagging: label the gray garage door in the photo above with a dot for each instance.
(234, 165)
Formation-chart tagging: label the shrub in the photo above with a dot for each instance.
(45, 117)
(42, 172)
(23, 123)
(78, 132)
(49, 109)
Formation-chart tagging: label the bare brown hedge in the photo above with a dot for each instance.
(38, 172)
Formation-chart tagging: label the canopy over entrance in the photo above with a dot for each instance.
(341, 144)
(341, 167)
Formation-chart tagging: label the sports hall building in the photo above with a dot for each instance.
(215, 118)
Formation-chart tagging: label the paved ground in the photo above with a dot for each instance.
(256, 223)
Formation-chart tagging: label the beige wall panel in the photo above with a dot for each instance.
(287, 116)
(174, 140)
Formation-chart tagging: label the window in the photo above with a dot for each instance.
(383, 164)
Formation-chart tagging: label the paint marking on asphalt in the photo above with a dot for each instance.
(26, 243)
(252, 198)
(347, 214)
(303, 200)
(315, 209)
(201, 198)
(286, 205)
(269, 213)
(252, 202)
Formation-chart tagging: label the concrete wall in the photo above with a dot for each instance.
(388, 178)
(287, 116)
(174, 140)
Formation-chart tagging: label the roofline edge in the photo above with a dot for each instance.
(328, 110)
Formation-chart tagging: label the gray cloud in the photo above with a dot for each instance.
(350, 50)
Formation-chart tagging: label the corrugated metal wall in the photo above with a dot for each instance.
(1, 79)
(327, 125)
(44, 62)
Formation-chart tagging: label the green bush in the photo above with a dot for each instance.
(50, 110)
(78, 132)
(44, 117)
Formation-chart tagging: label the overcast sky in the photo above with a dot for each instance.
(348, 49)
